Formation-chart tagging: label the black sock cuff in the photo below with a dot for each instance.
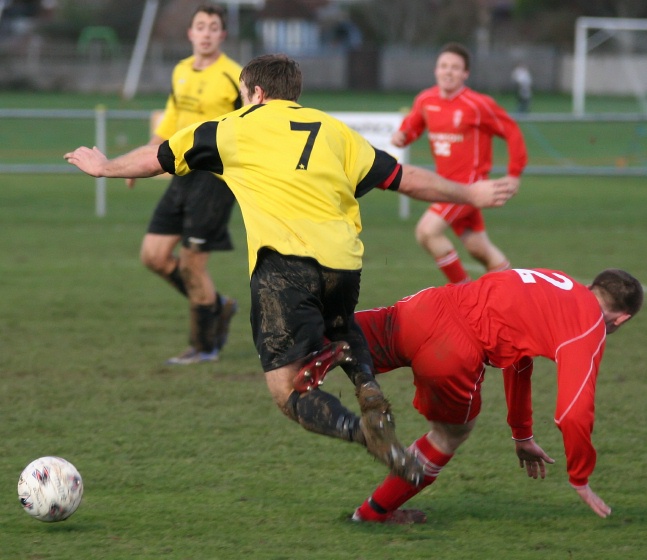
(175, 278)
(359, 373)
(291, 405)
(377, 508)
(219, 303)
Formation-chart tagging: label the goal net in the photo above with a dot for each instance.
(620, 62)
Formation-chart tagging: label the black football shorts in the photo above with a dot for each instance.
(196, 206)
(296, 302)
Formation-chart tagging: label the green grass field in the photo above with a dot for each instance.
(197, 463)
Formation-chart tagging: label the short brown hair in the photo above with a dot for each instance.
(620, 290)
(276, 74)
(460, 50)
(212, 10)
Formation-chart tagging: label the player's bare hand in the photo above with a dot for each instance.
(593, 500)
(399, 139)
(90, 161)
(513, 183)
(492, 193)
(130, 183)
(533, 458)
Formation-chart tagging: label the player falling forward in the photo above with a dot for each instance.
(448, 335)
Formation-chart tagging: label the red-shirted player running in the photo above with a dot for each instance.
(461, 124)
(448, 335)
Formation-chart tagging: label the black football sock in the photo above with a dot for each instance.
(175, 279)
(360, 369)
(218, 305)
(203, 327)
(322, 413)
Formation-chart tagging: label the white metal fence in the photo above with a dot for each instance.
(600, 135)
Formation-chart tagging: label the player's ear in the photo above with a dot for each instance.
(613, 321)
(622, 318)
(259, 95)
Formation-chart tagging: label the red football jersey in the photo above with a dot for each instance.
(514, 316)
(527, 313)
(460, 131)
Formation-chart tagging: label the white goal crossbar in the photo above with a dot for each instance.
(584, 43)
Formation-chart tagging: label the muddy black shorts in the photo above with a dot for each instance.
(196, 206)
(296, 302)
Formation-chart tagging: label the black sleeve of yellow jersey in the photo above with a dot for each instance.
(386, 173)
(166, 158)
(203, 155)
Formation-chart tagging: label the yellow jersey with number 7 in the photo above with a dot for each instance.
(296, 173)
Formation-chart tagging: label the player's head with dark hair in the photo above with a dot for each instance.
(457, 49)
(276, 74)
(212, 10)
(620, 290)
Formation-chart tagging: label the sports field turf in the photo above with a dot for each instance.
(197, 463)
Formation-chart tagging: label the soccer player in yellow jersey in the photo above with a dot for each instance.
(297, 174)
(194, 211)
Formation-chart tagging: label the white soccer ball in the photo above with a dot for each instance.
(50, 489)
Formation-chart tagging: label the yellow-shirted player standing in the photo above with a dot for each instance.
(194, 211)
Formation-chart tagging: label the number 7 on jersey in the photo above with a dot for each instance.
(313, 130)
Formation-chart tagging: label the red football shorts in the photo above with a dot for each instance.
(447, 361)
(460, 217)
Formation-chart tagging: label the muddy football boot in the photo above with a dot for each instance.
(378, 427)
(312, 374)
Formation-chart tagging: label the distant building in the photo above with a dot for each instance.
(305, 27)
(290, 26)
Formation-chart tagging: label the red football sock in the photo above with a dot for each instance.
(395, 491)
(450, 265)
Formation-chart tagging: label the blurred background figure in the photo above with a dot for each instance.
(461, 124)
(522, 78)
(192, 217)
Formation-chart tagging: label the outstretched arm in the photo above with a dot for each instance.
(423, 184)
(154, 141)
(517, 381)
(141, 162)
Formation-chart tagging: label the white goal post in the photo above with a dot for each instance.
(606, 27)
